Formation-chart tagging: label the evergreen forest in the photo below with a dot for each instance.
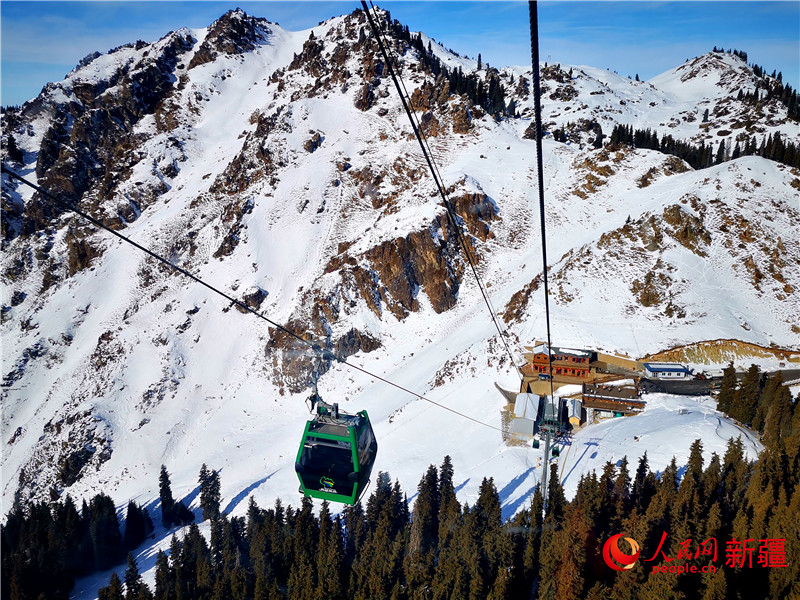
(445, 549)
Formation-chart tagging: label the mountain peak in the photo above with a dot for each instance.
(284, 171)
(710, 75)
(235, 32)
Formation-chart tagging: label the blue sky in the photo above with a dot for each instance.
(42, 41)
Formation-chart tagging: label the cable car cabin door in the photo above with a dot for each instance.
(326, 465)
(335, 458)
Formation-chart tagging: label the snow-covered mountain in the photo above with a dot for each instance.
(279, 166)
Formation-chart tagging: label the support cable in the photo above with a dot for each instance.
(315, 346)
(537, 104)
(452, 215)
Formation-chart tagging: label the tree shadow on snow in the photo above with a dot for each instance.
(509, 508)
(234, 502)
(588, 444)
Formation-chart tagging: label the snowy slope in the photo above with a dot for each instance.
(265, 175)
(660, 430)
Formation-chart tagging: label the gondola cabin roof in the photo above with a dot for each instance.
(336, 455)
(326, 422)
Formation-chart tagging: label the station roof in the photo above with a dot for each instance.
(663, 366)
(557, 350)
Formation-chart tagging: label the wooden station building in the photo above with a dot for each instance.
(621, 400)
(566, 362)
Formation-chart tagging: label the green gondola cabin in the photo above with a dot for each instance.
(336, 454)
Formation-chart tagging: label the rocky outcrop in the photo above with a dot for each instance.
(390, 276)
(477, 211)
(310, 58)
(89, 147)
(255, 161)
(233, 33)
(393, 273)
(424, 261)
(253, 299)
(687, 229)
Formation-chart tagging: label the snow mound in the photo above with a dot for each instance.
(664, 430)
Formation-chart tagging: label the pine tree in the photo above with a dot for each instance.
(14, 152)
(167, 502)
(133, 580)
(104, 532)
(716, 587)
(783, 581)
(598, 140)
(136, 529)
(555, 494)
(113, 591)
(735, 472)
(306, 532)
(182, 514)
(209, 493)
(420, 560)
(572, 542)
(448, 575)
(778, 420)
(76, 548)
(712, 481)
(379, 565)
(355, 527)
(605, 499)
(533, 539)
(727, 389)
(643, 486)
(746, 399)
(164, 585)
(330, 557)
(621, 493)
(480, 65)
(548, 558)
(378, 499)
(720, 158)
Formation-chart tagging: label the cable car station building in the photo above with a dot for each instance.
(568, 365)
(616, 400)
(663, 370)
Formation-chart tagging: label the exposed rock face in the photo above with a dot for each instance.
(253, 299)
(687, 229)
(389, 276)
(310, 59)
(89, 147)
(307, 185)
(313, 142)
(424, 260)
(517, 305)
(255, 161)
(233, 33)
(430, 95)
(462, 119)
(477, 210)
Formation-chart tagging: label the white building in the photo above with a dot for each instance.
(663, 370)
(523, 424)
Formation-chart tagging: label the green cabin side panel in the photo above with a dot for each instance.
(358, 485)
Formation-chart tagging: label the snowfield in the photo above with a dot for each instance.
(661, 430)
(147, 368)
